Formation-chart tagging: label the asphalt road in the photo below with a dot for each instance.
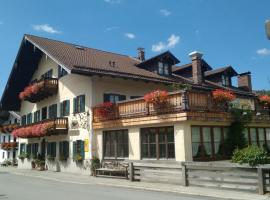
(17, 187)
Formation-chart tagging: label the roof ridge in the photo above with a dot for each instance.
(73, 44)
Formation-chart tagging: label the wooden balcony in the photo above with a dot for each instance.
(48, 127)
(181, 106)
(8, 128)
(46, 87)
(9, 145)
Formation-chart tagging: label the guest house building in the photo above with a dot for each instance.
(77, 102)
(8, 144)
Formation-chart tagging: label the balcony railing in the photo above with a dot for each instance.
(9, 145)
(40, 90)
(198, 105)
(48, 127)
(8, 128)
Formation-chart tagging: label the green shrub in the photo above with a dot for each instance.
(251, 155)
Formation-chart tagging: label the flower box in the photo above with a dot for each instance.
(265, 100)
(223, 96)
(157, 97)
(105, 109)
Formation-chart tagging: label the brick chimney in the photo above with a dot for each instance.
(197, 72)
(141, 54)
(244, 81)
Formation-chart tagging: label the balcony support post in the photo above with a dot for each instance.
(185, 101)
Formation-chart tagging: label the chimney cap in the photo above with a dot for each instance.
(195, 54)
(245, 73)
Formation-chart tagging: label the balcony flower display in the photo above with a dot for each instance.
(9, 145)
(29, 90)
(156, 97)
(105, 109)
(38, 130)
(223, 96)
(265, 100)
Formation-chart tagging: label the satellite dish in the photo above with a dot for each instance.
(267, 28)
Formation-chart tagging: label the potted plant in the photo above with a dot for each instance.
(104, 110)
(22, 156)
(158, 99)
(265, 101)
(95, 164)
(78, 158)
(62, 157)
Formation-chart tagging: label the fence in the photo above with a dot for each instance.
(219, 175)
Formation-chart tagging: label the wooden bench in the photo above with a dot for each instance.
(113, 169)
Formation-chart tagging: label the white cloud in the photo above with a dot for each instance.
(165, 12)
(130, 35)
(171, 42)
(46, 28)
(263, 52)
(159, 47)
(113, 1)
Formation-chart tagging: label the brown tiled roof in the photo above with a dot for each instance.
(81, 59)
(221, 70)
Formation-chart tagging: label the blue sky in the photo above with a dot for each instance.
(228, 32)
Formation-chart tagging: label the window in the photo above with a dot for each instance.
(114, 98)
(61, 71)
(225, 80)
(8, 155)
(53, 111)
(48, 74)
(44, 113)
(78, 149)
(157, 143)
(15, 121)
(31, 149)
(3, 155)
(37, 116)
(34, 149)
(4, 139)
(23, 119)
(79, 104)
(64, 149)
(208, 142)
(29, 118)
(51, 149)
(115, 144)
(163, 68)
(9, 138)
(64, 108)
(135, 97)
(259, 137)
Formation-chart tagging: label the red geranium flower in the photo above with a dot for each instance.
(220, 95)
(156, 97)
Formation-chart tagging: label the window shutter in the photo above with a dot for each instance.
(82, 104)
(106, 97)
(82, 149)
(75, 105)
(54, 149)
(74, 149)
(67, 107)
(61, 109)
(66, 149)
(122, 97)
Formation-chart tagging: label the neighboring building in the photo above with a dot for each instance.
(8, 144)
(72, 80)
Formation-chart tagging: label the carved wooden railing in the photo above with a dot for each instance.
(9, 145)
(139, 108)
(8, 128)
(199, 105)
(47, 87)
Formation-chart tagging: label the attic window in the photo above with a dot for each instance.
(163, 68)
(225, 80)
(79, 47)
(112, 63)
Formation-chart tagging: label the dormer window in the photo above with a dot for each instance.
(163, 68)
(225, 80)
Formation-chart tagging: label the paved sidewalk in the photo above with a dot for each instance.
(89, 180)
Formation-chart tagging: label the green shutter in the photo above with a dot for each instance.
(74, 149)
(66, 149)
(62, 109)
(82, 148)
(82, 103)
(75, 105)
(67, 107)
(106, 97)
